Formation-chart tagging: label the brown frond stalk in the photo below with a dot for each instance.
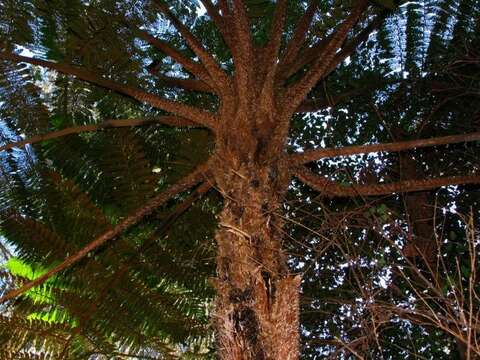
(243, 52)
(353, 44)
(186, 84)
(312, 54)
(306, 57)
(195, 68)
(298, 38)
(108, 124)
(273, 46)
(191, 113)
(187, 182)
(223, 5)
(317, 154)
(179, 210)
(297, 92)
(329, 188)
(221, 80)
(219, 20)
(270, 56)
(325, 100)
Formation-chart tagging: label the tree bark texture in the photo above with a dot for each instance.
(257, 305)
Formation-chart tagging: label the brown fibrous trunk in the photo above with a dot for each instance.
(257, 302)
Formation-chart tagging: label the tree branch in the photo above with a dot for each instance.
(317, 154)
(196, 69)
(307, 57)
(107, 124)
(187, 182)
(186, 84)
(313, 105)
(223, 4)
(325, 100)
(217, 74)
(191, 113)
(275, 40)
(212, 11)
(243, 52)
(298, 91)
(352, 45)
(179, 210)
(270, 56)
(329, 188)
(298, 38)
(313, 53)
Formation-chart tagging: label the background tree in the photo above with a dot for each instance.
(243, 74)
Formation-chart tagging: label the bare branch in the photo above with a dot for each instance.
(297, 92)
(219, 20)
(218, 75)
(243, 52)
(195, 68)
(308, 56)
(179, 210)
(317, 154)
(329, 188)
(107, 124)
(324, 101)
(353, 44)
(224, 7)
(191, 113)
(186, 84)
(270, 56)
(187, 182)
(312, 54)
(313, 105)
(275, 40)
(298, 38)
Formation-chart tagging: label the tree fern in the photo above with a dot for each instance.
(167, 174)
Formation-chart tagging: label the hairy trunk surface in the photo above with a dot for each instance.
(257, 299)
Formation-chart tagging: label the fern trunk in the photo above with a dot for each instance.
(257, 299)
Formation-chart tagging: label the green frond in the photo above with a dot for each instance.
(21, 107)
(416, 24)
(33, 241)
(126, 171)
(23, 355)
(443, 11)
(20, 335)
